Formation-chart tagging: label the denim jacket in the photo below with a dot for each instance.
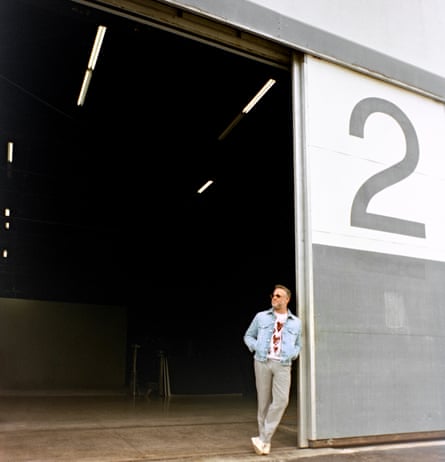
(259, 333)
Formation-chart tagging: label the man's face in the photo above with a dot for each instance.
(279, 299)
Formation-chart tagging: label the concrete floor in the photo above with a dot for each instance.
(117, 428)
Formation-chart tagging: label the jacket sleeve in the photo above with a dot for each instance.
(251, 335)
(298, 341)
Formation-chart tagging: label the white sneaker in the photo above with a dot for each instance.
(260, 447)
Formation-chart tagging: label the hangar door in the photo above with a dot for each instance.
(378, 252)
(104, 186)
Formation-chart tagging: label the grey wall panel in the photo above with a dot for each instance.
(380, 343)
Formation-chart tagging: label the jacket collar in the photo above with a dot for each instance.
(289, 313)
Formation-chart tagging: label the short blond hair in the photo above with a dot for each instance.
(280, 286)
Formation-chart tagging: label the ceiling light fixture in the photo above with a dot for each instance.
(231, 126)
(205, 186)
(266, 87)
(10, 151)
(100, 34)
(85, 85)
(91, 64)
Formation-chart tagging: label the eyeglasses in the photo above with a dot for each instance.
(275, 295)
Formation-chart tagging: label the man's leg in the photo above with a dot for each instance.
(263, 379)
(280, 399)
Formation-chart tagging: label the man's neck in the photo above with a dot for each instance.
(280, 310)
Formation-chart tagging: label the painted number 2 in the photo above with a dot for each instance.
(385, 178)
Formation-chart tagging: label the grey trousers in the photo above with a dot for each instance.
(273, 381)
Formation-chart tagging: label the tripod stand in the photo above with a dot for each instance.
(134, 378)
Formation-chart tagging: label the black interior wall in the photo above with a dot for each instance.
(103, 197)
(48, 345)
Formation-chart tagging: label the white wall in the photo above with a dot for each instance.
(412, 31)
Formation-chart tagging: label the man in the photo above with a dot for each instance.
(274, 337)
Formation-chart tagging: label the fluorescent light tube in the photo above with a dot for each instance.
(96, 47)
(259, 95)
(85, 85)
(10, 151)
(247, 108)
(91, 64)
(205, 186)
(231, 126)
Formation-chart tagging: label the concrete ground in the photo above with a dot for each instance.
(118, 428)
